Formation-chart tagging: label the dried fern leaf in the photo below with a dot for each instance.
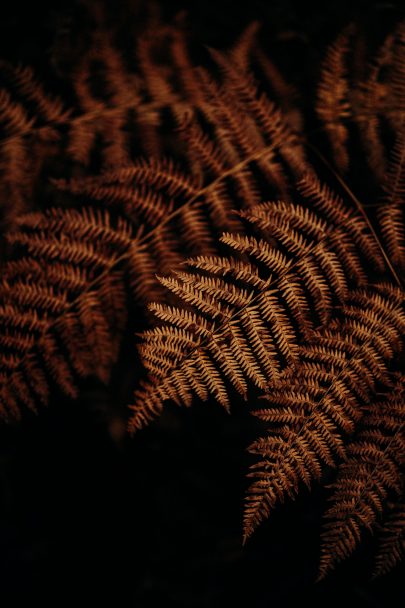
(333, 106)
(179, 212)
(118, 105)
(252, 311)
(372, 101)
(63, 303)
(391, 539)
(390, 212)
(391, 219)
(115, 105)
(316, 402)
(247, 134)
(21, 157)
(338, 212)
(371, 470)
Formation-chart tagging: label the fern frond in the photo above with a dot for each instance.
(254, 311)
(371, 470)
(391, 219)
(370, 101)
(247, 135)
(63, 303)
(282, 315)
(130, 101)
(333, 105)
(48, 109)
(391, 539)
(176, 211)
(25, 109)
(339, 213)
(114, 108)
(390, 212)
(394, 182)
(316, 402)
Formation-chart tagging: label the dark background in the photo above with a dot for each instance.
(88, 514)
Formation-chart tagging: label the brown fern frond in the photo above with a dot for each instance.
(370, 471)
(150, 196)
(394, 182)
(12, 115)
(338, 212)
(241, 51)
(247, 134)
(281, 314)
(266, 121)
(15, 186)
(390, 212)
(115, 107)
(160, 76)
(63, 303)
(253, 311)
(333, 106)
(372, 100)
(134, 99)
(391, 219)
(283, 92)
(316, 402)
(20, 164)
(104, 110)
(119, 108)
(47, 109)
(369, 91)
(391, 539)
(177, 212)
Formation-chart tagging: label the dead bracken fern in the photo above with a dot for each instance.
(114, 109)
(316, 405)
(364, 100)
(361, 97)
(391, 547)
(168, 214)
(120, 108)
(371, 470)
(390, 212)
(58, 322)
(181, 213)
(294, 313)
(253, 313)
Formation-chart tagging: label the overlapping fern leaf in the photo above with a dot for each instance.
(169, 214)
(29, 135)
(361, 107)
(318, 403)
(391, 209)
(116, 108)
(243, 318)
(30, 116)
(63, 303)
(391, 545)
(119, 107)
(283, 316)
(372, 471)
(363, 98)
(181, 211)
(290, 313)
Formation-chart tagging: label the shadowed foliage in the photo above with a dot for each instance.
(183, 186)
